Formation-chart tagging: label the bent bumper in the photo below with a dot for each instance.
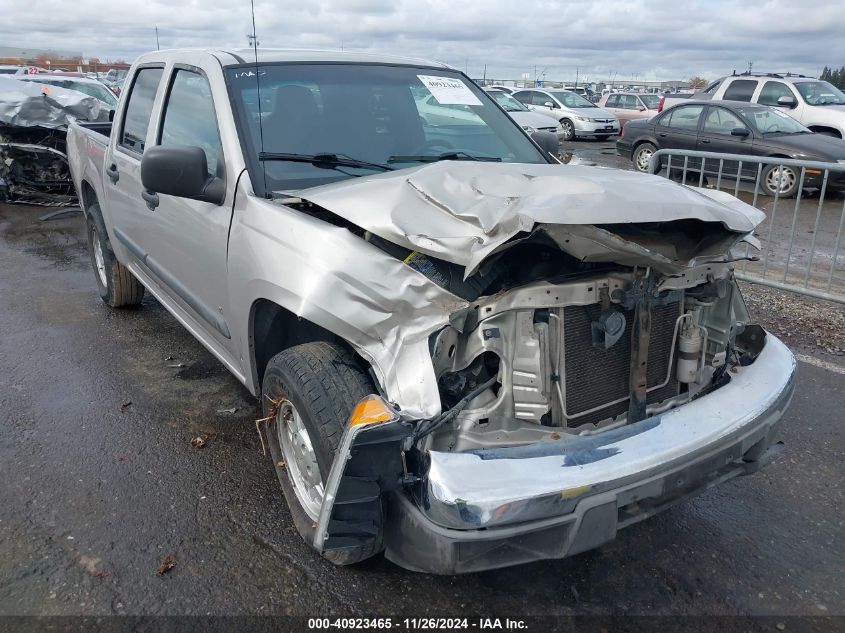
(500, 507)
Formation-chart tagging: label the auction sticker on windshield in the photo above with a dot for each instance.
(449, 91)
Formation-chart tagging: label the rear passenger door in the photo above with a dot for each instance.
(678, 129)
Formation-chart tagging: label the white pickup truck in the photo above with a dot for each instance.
(467, 354)
(817, 104)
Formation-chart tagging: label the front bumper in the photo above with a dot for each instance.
(493, 508)
(593, 128)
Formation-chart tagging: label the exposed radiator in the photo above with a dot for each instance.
(595, 377)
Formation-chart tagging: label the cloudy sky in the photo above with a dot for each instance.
(634, 39)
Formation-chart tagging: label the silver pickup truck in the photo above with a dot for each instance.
(467, 354)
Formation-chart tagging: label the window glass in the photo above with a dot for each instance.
(629, 102)
(508, 103)
(612, 101)
(820, 93)
(189, 117)
(721, 121)
(571, 100)
(772, 91)
(712, 87)
(139, 109)
(650, 101)
(540, 99)
(740, 90)
(683, 117)
(772, 121)
(384, 115)
(523, 97)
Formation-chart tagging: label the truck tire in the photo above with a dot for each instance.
(117, 286)
(308, 392)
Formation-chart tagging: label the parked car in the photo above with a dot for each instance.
(815, 103)
(530, 121)
(735, 127)
(627, 106)
(468, 355)
(578, 117)
(90, 87)
(12, 70)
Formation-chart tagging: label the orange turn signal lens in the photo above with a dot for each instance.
(371, 409)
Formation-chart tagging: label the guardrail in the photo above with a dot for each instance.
(789, 260)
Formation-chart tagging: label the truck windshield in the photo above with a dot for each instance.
(360, 119)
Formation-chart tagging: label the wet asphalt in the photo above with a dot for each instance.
(99, 483)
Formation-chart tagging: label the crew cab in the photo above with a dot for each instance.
(467, 355)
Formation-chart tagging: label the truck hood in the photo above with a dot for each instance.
(463, 212)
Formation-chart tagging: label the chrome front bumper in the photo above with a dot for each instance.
(499, 487)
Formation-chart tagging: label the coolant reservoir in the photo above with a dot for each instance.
(689, 354)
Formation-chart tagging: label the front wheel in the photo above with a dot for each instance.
(642, 156)
(780, 180)
(568, 129)
(308, 393)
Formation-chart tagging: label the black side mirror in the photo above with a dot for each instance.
(182, 171)
(547, 141)
(787, 102)
(740, 131)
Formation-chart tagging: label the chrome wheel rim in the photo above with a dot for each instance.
(643, 157)
(99, 260)
(300, 459)
(568, 130)
(780, 180)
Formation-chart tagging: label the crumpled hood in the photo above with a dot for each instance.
(463, 211)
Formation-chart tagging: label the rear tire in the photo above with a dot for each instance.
(316, 386)
(784, 183)
(117, 286)
(642, 155)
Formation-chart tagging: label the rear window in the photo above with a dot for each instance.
(740, 90)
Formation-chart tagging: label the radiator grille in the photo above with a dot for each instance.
(594, 377)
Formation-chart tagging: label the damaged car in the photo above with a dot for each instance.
(468, 355)
(33, 124)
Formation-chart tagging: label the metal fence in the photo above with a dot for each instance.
(801, 250)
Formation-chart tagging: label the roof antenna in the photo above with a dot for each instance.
(258, 86)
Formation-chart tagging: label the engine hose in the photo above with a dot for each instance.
(446, 416)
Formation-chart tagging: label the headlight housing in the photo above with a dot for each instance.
(583, 118)
(529, 129)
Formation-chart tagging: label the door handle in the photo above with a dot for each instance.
(112, 173)
(151, 198)
(704, 140)
(662, 135)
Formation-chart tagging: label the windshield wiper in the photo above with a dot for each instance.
(326, 160)
(433, 158)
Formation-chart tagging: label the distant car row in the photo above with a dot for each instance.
(734, 127)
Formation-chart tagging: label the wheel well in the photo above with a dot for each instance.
(826, 130)
(89, 196)
(274, 329)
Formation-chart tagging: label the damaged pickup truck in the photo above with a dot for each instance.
(467, 354)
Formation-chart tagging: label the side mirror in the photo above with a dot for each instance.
(111, 116)
(182, 171)
(549, 105)
(547, 141)
(740, 131)
(787, 102)
(641, 108)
